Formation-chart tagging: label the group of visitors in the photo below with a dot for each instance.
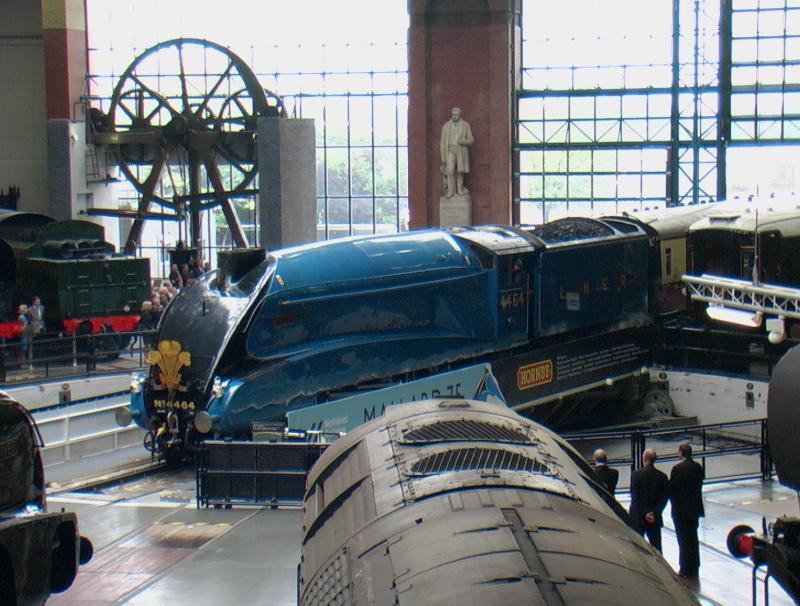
(31, 319)
(650, 491)
(188, 273)
(164, 291)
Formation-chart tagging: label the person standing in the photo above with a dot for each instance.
(607, 475)
(686, 497)
(454, 153)
(25, 336)
(36, 315)
(649, 495)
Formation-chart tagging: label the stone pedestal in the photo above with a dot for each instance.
(455, 211)
(288, 183)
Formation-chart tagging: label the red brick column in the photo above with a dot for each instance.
(462, 53)
(65, 65)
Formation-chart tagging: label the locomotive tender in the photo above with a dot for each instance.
(312, 323)
(463, 502)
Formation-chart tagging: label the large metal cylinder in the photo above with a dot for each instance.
(462, 502)
(783, 422)
(60, 249)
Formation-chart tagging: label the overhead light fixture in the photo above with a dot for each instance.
(776, 329)
(740, 317)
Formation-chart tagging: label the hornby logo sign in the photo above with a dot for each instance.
(533, 375)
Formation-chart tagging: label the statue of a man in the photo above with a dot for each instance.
(454, 149)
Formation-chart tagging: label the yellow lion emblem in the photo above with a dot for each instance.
(170, 359)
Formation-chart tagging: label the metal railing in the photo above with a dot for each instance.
(711, 444)
(85, 429)
(57, 355)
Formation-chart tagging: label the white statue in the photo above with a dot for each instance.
(454, 149)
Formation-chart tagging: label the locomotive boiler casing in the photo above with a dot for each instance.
(315, 321)
(463, 502)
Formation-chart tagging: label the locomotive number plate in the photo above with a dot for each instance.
(173, 405)
(511, 299)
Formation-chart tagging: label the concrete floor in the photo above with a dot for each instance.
(154, 547)
(723, 579)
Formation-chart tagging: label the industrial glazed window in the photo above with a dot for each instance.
(634, 104)
(346, 68)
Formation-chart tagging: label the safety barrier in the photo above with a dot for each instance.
(253, 473)
(86, 429)
(53, 355)
(711, 444)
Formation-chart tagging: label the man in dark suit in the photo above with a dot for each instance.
(686, 496)
(648, 498)
(608, 476)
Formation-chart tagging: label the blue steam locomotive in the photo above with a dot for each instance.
(554, 308)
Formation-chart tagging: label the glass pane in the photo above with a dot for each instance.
(361, 171)
(604, 186)
(531, 213)
(555, 187)
(338, 217)
(402, 176)
(404, 214)
(385, 171)
(362, 216)
(580, 186)
(338, 172)
(531, 186)
(385, 120)
(386, 215)
(555, 161)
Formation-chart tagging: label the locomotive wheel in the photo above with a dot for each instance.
(657, 403)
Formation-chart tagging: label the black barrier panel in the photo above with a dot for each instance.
(254, 473)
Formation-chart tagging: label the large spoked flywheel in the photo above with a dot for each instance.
(183, 123)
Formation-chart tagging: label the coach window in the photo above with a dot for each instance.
(668, 261)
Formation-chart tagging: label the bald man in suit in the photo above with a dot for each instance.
(649, 493)
(608, 476)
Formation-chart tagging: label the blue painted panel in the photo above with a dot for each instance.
(348, 413)
(586, 286)
(269, 390)
(348, 262)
